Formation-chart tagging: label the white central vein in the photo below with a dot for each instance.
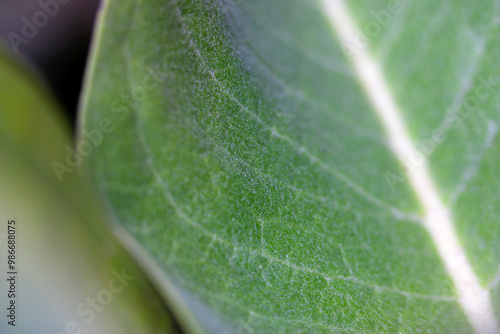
(474, 299)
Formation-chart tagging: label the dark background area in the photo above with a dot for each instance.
(55, 36)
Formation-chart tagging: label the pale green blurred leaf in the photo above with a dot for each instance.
(65, 251)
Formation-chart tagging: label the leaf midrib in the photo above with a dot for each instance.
(438, 221)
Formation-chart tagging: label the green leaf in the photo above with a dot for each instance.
(65, 255)
(307, 166)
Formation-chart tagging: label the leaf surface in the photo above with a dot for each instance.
(258, 159)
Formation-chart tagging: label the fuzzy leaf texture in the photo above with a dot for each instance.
(307, 166)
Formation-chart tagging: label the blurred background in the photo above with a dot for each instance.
(68, 263)
(58, 45)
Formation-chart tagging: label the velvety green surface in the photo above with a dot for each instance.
(252, 167)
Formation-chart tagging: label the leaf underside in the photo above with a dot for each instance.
(247, 160)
